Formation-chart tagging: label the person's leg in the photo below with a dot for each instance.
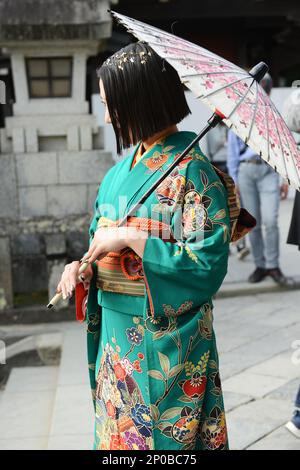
(294, 424)
(297, 402)
(251, 202)
(268, 186)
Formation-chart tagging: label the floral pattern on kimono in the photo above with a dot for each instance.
(156, 374)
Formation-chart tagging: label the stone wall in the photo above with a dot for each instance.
(46, 205)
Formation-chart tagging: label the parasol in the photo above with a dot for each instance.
(231, 93)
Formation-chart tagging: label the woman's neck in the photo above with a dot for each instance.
(169, 130)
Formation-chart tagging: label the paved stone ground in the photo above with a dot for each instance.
(255, 336)
(50, 407)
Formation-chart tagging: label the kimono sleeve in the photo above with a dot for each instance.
(94, 221)
(96, 216)
(188, 273)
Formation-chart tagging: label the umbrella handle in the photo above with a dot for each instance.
(58, 295)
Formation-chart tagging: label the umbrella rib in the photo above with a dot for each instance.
(204, 62)
(143, 33)
(268, 130)
(281, 148)
(288, 144)
(205, 53)
(196, 51)
(212, 73)
(151, 31)
(225, 86)
(207, 60)
(241, 100)
(254, 114)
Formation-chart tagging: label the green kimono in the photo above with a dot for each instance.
(152, 353)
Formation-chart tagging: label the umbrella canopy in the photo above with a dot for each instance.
(229, 90)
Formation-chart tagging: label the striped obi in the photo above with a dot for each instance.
(122, 272)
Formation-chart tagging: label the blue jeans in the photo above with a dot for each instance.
(297, 402)
(259, 188)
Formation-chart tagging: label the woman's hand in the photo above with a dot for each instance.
(108, 239)
(69, 278)
(284, 189)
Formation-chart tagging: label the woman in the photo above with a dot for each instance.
(151, 346)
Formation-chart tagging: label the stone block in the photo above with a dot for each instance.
(77, 243)
(31, 443)
(26, 244)
(33, 379)
(8, 187)
(86, 142)
(37, 169)
(5, 142)
(249, 423)
(70, 442)
(55, 244)
(18, 140)
(6, 294)
(32, 201)
(30, 274)
(30, 412)
(252, 384)
(31, 139)
(65, 200)
(233, 400)
(279, 366)
(84, 167)
(73, 138)
(287, 392)
(65, 421)
(98, 139)
(3, 306)
(280, 439)
(73, 358)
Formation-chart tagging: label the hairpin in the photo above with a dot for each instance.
(119, 59)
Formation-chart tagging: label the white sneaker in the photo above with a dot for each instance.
(294, 425)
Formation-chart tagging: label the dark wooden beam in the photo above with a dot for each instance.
(153, 9)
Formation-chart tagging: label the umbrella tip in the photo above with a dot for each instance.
(259, 71)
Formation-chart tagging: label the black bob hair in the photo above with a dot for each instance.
(144, 94)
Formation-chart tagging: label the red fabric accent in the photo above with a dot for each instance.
(131, 257)
(221, 115)
(81, 294)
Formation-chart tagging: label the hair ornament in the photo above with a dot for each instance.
(119, 59)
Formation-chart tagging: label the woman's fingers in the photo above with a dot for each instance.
(68, 281)
(72, 278)
(95, 254)
(62, 285)
(58, 289)
(90, 250)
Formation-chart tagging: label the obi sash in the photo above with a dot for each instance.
(122, 272)
(241, 221)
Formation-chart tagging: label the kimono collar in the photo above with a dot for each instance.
(133, 182)
(141, 150)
